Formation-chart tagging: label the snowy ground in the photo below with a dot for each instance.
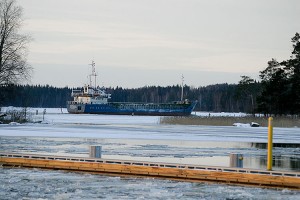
(138, 138)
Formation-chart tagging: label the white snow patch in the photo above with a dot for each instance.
(14, 123)
(241, 125)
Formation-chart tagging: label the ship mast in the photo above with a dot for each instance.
(182, 79)
(93, 74)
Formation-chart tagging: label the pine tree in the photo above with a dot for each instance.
(293, 70)
(281, 84)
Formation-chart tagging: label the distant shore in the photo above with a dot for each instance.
(282, 121)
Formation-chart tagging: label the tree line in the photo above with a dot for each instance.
(213, 98)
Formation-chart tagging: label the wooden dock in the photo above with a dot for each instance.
(195, 173)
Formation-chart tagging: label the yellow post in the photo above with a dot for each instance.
(270, 144)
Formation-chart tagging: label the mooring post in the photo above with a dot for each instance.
(44, 112)
(236, 160)
(270, 144)
(95, 151)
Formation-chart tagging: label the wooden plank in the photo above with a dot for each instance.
(176, 173)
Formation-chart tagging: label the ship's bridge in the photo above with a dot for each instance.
(90, 95)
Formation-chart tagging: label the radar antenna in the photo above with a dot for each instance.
(182, 80)
(93, 74)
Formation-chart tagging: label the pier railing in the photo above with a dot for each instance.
(150, 164)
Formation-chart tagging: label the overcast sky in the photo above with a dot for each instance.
(135, 43)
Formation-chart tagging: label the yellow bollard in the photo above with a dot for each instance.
(270, 144)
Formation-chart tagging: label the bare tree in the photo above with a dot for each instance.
(13, 45)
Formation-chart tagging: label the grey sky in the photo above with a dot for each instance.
(152, 42)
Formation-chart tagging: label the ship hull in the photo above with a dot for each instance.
(182, 109)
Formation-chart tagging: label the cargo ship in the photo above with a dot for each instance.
(95, 100)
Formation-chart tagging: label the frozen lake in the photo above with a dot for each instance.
(139, 138)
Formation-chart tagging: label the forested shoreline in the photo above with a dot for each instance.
(212, 98)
